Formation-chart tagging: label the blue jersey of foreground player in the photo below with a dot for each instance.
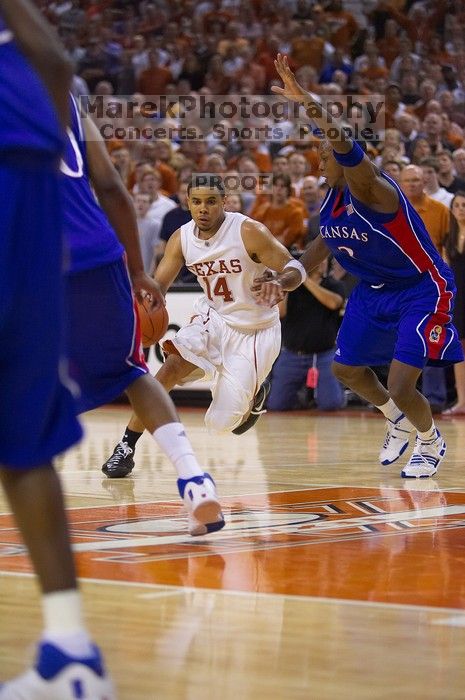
(90, 236)
(403, 305)
(29, 125)
(31, 265)
(104, 334)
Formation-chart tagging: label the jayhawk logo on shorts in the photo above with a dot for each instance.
(435, 334)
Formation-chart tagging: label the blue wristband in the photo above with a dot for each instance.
(352, 158)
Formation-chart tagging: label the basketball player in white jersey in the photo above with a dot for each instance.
(230, 340)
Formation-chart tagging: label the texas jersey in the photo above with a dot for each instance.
(29, 125)
(392, 249)
(90, 237)
(226, 272)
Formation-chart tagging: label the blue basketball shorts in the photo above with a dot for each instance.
(411, 325)
(105, 348)
(37, 412)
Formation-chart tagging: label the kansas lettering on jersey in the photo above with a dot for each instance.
(29, 125)
(379, 248)
(226, 272)
(91, 239)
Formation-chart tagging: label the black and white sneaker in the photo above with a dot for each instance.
(121, 462)
(257, 409)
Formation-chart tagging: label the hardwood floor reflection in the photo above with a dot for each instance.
(333, 577)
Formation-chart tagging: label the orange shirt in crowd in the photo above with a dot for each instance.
(308, 52)
(153, 81)
(286, 222)
(342, 27)
(435, 216)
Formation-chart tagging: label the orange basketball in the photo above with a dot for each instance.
(153, 324)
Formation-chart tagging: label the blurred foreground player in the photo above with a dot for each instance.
(401, 311)
(104, 347)
(37, 412)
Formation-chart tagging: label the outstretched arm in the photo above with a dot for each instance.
(117, 205)
(362, 177)
(41, 46)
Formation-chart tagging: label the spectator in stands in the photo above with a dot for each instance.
(281, 215)
(297, 171)
(420, 149)
(174, 219)
(93, 65)
(309, 346)
(436, 218)
(431, 129)
(393, 168)
(343, 28)
(234, 203)
(455, 254)
(434, 214)
(307, 49)
(149, 231)
(338, 61)
(150, 184)
(430, 167)
(447, 177)
(406, 124)
(121, 158)
(394, 106)
(459, 162)
(154, 79)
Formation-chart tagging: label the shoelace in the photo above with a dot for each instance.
(392, 427)
(419, 457)
(122, 450)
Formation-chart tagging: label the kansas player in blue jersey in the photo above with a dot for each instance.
(105, 351)
(37, 412)
(400, 312)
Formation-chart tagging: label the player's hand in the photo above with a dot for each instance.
(145, 287)
(292, 90)
(268, 290)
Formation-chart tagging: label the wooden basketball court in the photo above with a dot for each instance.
(334, 577)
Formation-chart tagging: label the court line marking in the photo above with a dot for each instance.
(231, 534)
(304, 487)
(172, 589)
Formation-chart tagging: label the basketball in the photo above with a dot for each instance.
(153, 324)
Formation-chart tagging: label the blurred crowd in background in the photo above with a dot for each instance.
(412, 54)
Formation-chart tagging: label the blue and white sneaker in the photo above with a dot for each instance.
(396, 439)
(58, 676)
(203, 508)
(426, 458)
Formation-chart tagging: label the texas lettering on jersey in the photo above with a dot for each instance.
(216, 267)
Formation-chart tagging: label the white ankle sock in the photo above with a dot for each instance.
(429, 435)
(390, 410)
(173, 441)
(64, 625)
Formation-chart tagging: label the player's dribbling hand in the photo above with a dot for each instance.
(145, 287)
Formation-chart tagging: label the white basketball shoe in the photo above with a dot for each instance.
(58, 676)
(396, 439)
(202, 505)
(426, 458)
